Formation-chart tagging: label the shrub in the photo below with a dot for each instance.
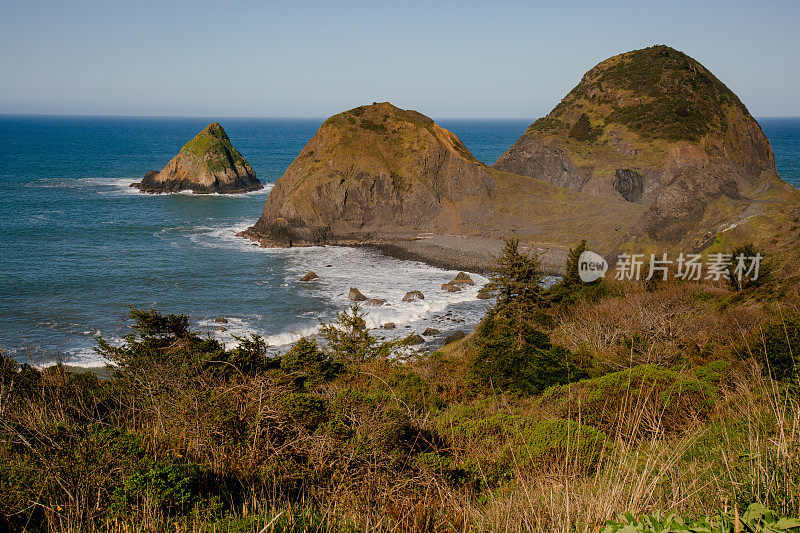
(563, 444)
(307, 410)
(348, 339)
(308, 364)
(641, 401)
(777, 347)
(513, 355)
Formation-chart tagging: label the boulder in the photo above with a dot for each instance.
(356, 295)
(413, 296)
(485, 294)
(462, 278)
(431, 332)
(412, 339)
(449, 287)
(375, 302)
(487, 291)
(389, 325)
(455, 336)
(308, 277)
(221, 320)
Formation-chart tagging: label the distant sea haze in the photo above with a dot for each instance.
(80, 246)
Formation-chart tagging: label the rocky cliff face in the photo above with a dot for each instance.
(653, 127)
(378, 171)
(375, 168)
(206, 164)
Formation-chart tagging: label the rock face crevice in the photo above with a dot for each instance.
(207, 164)
(629, 184)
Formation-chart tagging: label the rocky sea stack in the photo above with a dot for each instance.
(207, 164)
(654, 127)
(378, 173)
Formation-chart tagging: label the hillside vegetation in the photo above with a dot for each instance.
(565, 409)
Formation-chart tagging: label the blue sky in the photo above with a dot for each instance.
(313, 59)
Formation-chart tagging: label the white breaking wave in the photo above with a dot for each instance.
(340, 268)
(122, 186)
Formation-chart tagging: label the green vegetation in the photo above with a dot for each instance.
(566, 408)
(677, 98)
(755, 519)
(214, 142)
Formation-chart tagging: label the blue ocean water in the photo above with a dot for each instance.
(80, 246)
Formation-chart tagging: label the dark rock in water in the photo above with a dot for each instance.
(455, 336)
(222, 328)
(206, 164)
(356, 295)
(412, 296)
(389, 325)
(462, 278)
(487, 291)
(221, 320)
(308, 277)
(449, 287)
(629, 184)
(431, 332)
(375, 302)
(412, 340)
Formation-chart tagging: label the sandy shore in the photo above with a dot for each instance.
(455, 252)
(473, 254)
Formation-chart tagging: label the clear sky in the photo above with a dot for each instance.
(314, 59)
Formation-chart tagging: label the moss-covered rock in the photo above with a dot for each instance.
(206, 164)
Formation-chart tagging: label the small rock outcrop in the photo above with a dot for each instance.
(207, 164)
(308, 277)
(462, 278)
(356, 296)
(450, 287)
(389, 325)
(412, 296)
(375, 302)
(431, 332)
(455, 336)
(412, 340)
(221, 320)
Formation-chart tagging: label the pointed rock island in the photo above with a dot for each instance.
(207, 164)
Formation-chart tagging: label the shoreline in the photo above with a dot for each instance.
(446, 251)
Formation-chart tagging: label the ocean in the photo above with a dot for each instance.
(80, 246)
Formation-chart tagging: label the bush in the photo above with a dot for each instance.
(645, 400)
(308, 364)
(305, 409)
(512, 355)
(777, 348)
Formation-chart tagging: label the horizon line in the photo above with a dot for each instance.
(273, 117)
